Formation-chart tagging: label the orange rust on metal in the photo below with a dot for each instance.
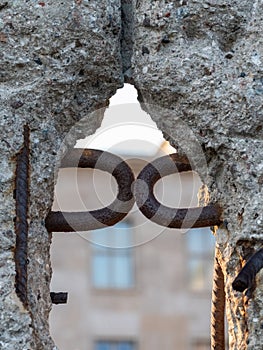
(218, 308)
(21, 224)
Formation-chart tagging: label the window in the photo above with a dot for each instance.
(115, 345)
(112, 257)
(201, 345)
(200, 246)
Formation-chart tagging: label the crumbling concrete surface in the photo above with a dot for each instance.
(201, 60)
(59, 61)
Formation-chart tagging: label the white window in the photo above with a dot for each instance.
(200, 246)
(113, 257)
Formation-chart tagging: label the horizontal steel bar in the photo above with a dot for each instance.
(59, 298)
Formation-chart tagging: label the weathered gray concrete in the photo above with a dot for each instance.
(201, 59)
(59, 61)
(204, 61)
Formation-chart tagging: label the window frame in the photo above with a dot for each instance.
(111, 253)
(201, 344)
(113, 343)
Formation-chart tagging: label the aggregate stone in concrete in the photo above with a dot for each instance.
(200, 60)
(203, 61)
(59, 61)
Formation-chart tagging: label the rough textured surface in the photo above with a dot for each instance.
(59, 61)
(201, 59)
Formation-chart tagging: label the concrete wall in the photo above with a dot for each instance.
(59, 61)
(201, 60)
(204, 61)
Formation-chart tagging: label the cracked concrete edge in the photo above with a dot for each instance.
(200, 60)
(58, 64)
(203, 62)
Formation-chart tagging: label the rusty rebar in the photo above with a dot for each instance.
(218, 308)
(246, 277)
(21, 224)
(171, 217)
(59, 297)
(108, 216)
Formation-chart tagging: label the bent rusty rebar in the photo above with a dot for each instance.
(149, 206)
(108, 216)
(21, 223)
(247, 275)
(165, 216)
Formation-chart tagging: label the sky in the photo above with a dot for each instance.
(126, 128)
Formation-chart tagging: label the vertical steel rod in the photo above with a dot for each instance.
(218, 307)
(21, 224)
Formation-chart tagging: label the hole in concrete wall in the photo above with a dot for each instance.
(135, 285)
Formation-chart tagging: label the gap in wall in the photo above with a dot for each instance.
(154, 294)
